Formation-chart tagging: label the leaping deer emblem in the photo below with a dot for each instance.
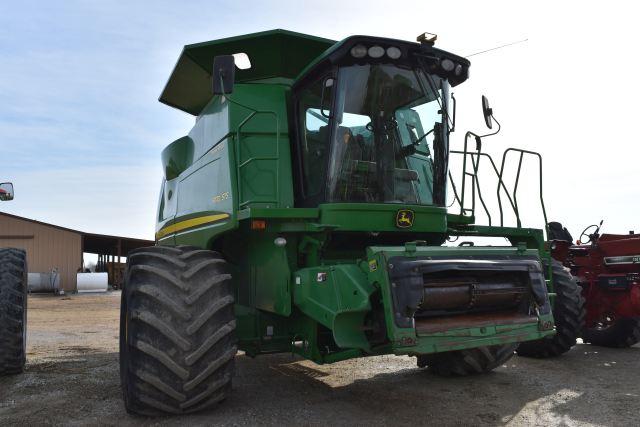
(404, 218)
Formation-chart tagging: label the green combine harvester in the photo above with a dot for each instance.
(306, 213)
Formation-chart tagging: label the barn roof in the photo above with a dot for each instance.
(273, 54)
(92, 243)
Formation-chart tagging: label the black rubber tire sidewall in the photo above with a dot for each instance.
(13, 281)
(625, 332)
(472, 361)
(568, 314)
(184, 334)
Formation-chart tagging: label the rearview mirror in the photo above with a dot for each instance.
(223, 75)
(6, 191)
(487, 112)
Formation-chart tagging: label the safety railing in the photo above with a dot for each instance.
(470, 168)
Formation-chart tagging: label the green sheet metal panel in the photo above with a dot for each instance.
(338, 297)
(261, 141)
(382, 217)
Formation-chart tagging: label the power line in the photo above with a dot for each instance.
(496, 48)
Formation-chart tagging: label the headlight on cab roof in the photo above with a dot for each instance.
(447, 65)
(359, 51)
(376, 51)
(393, 52)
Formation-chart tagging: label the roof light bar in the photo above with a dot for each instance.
(360, 51)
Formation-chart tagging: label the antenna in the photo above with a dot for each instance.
(497, 47)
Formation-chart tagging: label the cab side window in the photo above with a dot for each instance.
(314, 110)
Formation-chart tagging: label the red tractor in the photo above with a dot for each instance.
(607, 267)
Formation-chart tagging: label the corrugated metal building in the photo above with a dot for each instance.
(51, 247)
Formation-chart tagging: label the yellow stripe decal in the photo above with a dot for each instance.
(189, 223)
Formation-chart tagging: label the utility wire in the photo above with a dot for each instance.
(496, 48)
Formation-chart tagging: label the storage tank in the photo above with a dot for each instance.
(44, 282)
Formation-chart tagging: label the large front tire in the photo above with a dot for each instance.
(177, 331)
(568, 314)
(13, 310)
(621, 333)
(467, 362)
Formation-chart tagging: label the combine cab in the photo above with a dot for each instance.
(607, 267)
(306, 212)
(13, 302)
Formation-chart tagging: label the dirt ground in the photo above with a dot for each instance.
(72, 378)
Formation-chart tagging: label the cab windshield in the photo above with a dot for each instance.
(382, 139)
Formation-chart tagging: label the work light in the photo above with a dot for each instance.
(376, 51)
(358, 51)
(393, 52)
(447, 65)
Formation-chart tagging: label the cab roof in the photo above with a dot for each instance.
(273, 54)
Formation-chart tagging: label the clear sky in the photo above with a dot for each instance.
(81, 129)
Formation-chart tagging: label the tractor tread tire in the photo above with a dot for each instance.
(622, 334)
(568, 314)
(467, 362)
(13, 310)
(177, 330)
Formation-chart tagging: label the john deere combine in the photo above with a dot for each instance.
(305, 212)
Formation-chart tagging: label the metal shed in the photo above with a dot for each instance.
(51, 247)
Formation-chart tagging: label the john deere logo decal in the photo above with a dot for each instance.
(404, 218)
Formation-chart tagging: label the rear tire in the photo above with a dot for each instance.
(622, 333)
(467, 362)
(13, 310)
(568, 314)
(177, 330)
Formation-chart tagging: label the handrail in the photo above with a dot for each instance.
(500, 182)
(455, 191)
(464, 174)
(275, 158)
(476, 165)
(501, 187)
(515, 189)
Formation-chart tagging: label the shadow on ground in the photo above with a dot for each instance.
(588, 385)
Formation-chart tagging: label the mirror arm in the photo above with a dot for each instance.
(320, 117)
(492, 133)
(419, 140)
(228, 98)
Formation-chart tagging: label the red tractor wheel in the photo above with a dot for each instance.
(612, 332)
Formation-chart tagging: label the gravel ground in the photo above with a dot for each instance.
(72, 378)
